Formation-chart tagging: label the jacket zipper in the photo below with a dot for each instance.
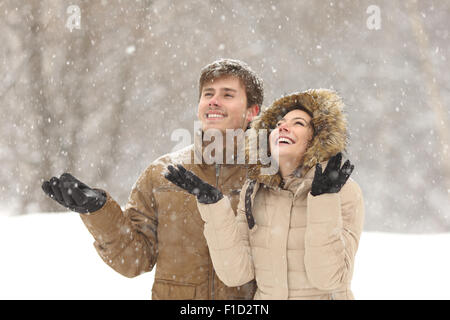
(212, 268)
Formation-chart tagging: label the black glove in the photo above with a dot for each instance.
(74, 194)
(188, 181)
(333, 178)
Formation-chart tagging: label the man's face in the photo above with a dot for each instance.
(223, 105)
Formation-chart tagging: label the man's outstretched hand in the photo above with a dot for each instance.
(74, 194)
(188, 181)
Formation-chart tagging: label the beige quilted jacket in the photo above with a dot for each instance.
(301, 247)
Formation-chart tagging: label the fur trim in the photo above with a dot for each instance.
(329, 122)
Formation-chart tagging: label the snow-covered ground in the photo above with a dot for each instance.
(51, 256)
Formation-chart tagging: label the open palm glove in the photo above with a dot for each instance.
(333, 177)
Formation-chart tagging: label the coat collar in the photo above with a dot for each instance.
(276, 182)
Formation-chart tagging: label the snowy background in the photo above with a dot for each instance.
(47, 256)
(91, 101)
(102, 101)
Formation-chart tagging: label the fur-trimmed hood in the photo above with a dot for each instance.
(330, 129)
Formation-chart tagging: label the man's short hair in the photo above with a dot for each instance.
(230, 67)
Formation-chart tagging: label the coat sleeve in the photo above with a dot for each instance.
(334, 223)
(126, 240)
(227, 236)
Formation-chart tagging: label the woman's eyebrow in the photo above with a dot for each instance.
(283, 119)
(299, 118)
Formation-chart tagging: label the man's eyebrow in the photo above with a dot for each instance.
(223, 89)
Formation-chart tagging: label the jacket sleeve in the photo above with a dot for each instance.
(126, 240)
(334, 223)
(227, 236)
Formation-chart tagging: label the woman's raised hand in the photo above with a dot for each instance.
(333, 178)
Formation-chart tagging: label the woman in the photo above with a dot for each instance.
(296, 231)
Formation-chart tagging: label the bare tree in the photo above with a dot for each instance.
(434, 96)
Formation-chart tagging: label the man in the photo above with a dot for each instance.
(161, 224)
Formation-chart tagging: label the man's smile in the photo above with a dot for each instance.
(215, 115)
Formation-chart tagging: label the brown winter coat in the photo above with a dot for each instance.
(302, 246)
(161, 225)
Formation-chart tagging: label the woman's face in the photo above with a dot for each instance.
(291, 137)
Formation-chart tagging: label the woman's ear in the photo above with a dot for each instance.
(310, 140)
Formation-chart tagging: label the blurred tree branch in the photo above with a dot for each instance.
(435, 101)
